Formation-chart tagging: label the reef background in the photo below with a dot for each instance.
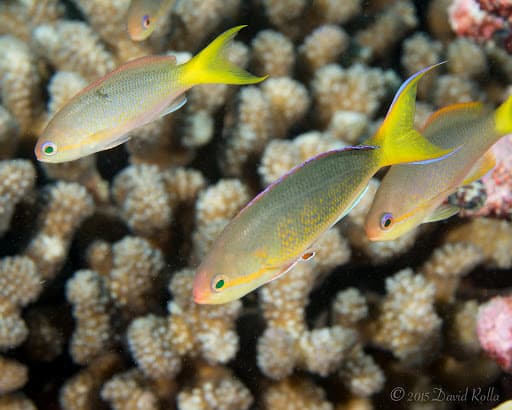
(97, 256)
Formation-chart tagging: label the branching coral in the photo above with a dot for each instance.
(129, 391)
(214, 209)
(283, 301)
(66, 206)
(141, 195)
(195, 20)
(323, 46)
(13, 375)
(272, 54)
(448, 264)
(16, 401)
(395, 21)
(20, 284)
(133, 280)
(250, 132)
(407, 324)
(478, 231)
(82, 52)
(81, 392)
(87, 292)
(280, 157)
(466, 58)
(358, 88)
(20, 82)
(9, 134)
(191, 330)
(17, 180)
(295, 394)
(172, 190)
(215, 388)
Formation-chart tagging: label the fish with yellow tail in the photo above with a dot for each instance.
(279, 227)
(101, 116)
(145, 15)
(411, 195)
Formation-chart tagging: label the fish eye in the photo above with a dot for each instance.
(49, 148)
(218, 282)
(146, 21)
(386, 220)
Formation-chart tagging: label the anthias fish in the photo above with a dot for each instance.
(145, 15)
(278, 227)
(410, 195)
(138, 92)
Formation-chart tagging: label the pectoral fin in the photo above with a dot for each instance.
(175, 106)
(442, 212)
(483, 166)
(308, 255)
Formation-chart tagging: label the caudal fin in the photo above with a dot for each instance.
(211, 65)
(397, 138)
(503, 117)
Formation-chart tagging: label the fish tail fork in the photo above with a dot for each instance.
(211, 65)
(503, 117)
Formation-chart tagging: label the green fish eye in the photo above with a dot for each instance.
(218, 282)
(49, 148)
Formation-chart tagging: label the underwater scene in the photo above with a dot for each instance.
(255, 205)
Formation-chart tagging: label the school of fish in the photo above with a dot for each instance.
(280, 226)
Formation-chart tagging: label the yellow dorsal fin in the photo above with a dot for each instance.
(484, 165)
(397, 138)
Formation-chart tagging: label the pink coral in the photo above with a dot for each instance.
(469, 19)
(498, 183)
(494, 328)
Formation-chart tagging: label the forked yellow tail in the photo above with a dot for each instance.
(397, 138)
(211, 65)
(503, 117)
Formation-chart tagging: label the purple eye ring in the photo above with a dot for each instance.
(48, 148)
(386, 220)
(146, 21)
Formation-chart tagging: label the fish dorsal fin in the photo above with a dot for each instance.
(400, 116)
(133, 64)
(174, 106)
(482, 167)
(442, 212)
(436, 126)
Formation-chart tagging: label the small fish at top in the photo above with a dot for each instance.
(279, 227)
(101, 115)
(145, 15)
(410, 195)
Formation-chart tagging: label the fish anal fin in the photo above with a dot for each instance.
(442, 212)
(174, 106)
(482, 167)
